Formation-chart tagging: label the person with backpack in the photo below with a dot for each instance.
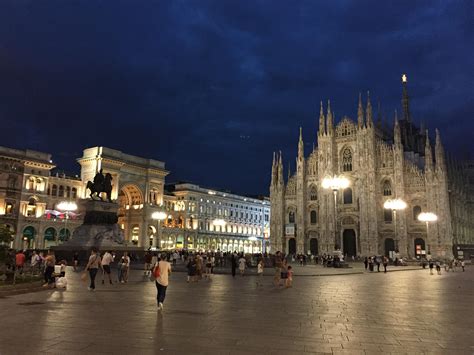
(161, 272)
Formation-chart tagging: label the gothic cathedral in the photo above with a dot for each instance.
(380, 164)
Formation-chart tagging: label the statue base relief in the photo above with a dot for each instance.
(99, 229)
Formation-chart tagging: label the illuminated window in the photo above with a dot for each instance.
(31, 208)
(9, 208)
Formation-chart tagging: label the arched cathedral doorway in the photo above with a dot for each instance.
(349, 247)
(292, 246)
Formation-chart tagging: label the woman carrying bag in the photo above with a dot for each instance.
(93, 267)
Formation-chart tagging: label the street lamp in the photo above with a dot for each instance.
(219, 222)
(335, 183)
(158, 216)
(395, 205)
(67, 207)
(428, 217)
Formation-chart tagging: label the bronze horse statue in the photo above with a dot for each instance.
(101, 184)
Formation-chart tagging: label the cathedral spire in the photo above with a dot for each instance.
(428, 154)
(280, 170)
(368, 112)
(322, 128)
(289, 171)
(439, 152)
(397, 140)
(301, 145)
(360, 113)
(405, 101)
(329, 119)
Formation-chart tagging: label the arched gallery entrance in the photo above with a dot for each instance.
(349, 247)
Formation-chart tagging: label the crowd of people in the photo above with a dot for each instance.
(198, 265)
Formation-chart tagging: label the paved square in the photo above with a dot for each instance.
(397, 312)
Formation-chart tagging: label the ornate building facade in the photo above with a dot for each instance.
(379, 165)
(31, 193)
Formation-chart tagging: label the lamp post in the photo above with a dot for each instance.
(158, 216)
(335, 183)
(67, 207)
(428, 217)
(395, 205)
(219, 222)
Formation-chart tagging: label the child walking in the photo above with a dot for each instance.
(289, 277)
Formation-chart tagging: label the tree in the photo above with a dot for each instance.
(6, 237)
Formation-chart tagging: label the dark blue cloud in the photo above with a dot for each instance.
(213, 87)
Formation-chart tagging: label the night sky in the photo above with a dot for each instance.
(214, 87)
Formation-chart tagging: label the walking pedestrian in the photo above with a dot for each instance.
(289, 277)
(162, 270)
(93, 266)
(385, 264)
(191, 266)
(107, 259)
(366, 263)
(242, 264)
(438, 267)
(49, 262)
(20, 259)
(75, 261)
(148, 265)
(124, 267)
(377, 261)
(260, 267)
(431, 265)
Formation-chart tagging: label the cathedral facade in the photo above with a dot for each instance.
(380, 164)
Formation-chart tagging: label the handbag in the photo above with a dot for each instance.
(155, 274)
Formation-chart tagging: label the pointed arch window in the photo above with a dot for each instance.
(74, 192)
(347, 196)
(387, 188)
(313, 195)
(387, 215)
(312, 217)
(346, 160)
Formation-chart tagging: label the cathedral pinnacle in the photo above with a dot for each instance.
(405, 101)
(439, 152)
(329, 119)
(301, 145)
(360, 113)
(322, 128)
(397, 139)
(428, 154)
(368, 111)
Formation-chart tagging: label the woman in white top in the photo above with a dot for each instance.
(242, 263)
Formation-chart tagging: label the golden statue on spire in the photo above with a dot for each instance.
(404, 78)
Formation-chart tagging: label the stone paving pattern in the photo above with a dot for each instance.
(398, 312)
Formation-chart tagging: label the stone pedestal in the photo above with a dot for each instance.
(100, 228)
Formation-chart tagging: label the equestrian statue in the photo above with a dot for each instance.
(101, 184)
